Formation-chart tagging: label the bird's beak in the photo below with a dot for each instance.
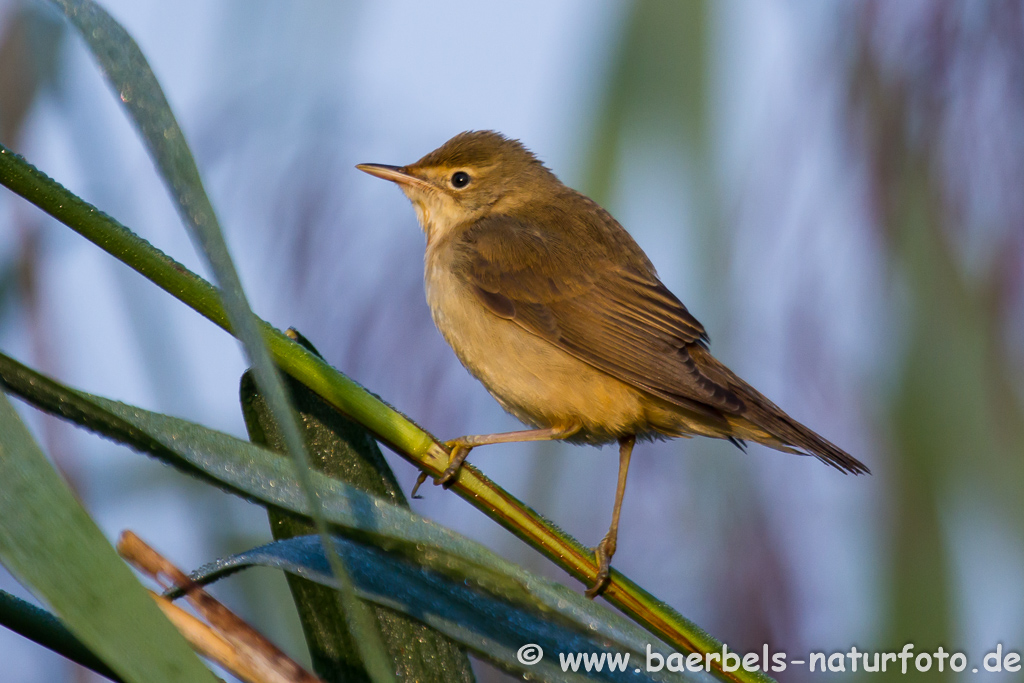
(395, 174)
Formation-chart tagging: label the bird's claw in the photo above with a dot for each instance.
(603, 553)
(458, 451)
(416, 487)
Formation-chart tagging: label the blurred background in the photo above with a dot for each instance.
(833, 188)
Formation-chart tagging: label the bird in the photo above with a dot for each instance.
(551, 304)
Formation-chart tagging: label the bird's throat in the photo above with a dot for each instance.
(436, 219)
(423, 216)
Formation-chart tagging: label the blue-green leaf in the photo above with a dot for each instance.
(493, 628)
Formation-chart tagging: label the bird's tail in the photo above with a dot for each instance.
(764, 422)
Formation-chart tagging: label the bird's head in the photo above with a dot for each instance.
(467, 178)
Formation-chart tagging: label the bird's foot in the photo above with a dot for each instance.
(603, 552)
(458, 450)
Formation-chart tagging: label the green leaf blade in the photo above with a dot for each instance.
(51, 544)
(43, 628)
(132, 78)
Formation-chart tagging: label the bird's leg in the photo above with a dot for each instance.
(606, 548)
(461, 447)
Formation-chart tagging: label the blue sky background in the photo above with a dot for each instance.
(767, 224)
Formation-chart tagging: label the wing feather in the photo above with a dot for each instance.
(607, 309)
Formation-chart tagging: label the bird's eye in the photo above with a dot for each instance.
(460, 179)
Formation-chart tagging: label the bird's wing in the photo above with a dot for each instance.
(607, 309)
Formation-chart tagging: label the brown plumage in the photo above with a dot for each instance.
(550, 303)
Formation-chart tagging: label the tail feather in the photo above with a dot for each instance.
(762, 421)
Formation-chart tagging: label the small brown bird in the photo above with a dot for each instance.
(550, 303)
